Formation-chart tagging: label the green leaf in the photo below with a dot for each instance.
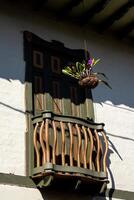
(93, 60)
(79, 67)
(70, 73)
(96, 61)
(99, 73)
(68, 69)
(105, 83)
(67, 72)
(83, 62)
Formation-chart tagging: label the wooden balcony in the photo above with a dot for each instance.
(68, 147)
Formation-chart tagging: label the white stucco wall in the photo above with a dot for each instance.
(21, 193)
(15, 193)
(116, 109)
(113, 107)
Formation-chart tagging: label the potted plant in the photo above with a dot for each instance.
(85, 74)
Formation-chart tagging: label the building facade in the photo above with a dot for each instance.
(115, 108)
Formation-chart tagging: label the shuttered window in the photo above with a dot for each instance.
(38, 93)
(56, 97)
(74, 101)
(52, 90)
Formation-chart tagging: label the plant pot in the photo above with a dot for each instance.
(89, 81)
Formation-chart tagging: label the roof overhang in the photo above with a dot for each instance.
(110, 16)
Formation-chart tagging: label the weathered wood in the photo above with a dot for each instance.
(91, 149)
(126, 30)
(85, 147)
(62, 143)
(98, 151)
(54, 142)
(71, 144)
(116, 15)
(47, 141)
(36, 146)
(68, 7)
(97, 7)
(79, 144)
(42, 142)
(105, 151)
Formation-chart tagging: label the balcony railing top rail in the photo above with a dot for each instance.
(65, 118)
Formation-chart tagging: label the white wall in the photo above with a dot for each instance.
(113, 107)
(21, 193)
(116, 109)
(15, 193)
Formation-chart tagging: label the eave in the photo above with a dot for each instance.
(105, 16)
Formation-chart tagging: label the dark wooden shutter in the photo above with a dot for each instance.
(52, 90)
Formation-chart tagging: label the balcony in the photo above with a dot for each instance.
(70, 148)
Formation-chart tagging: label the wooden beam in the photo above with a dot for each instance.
(68, 7)
(126, 29)
(38, 4)
(92, 11)
(116, 15)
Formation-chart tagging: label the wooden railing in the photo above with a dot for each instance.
(68, 146)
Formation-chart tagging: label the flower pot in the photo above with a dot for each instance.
(89, 81)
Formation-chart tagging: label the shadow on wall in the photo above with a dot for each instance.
(119, 97)
(116, 58)
(112, 149)
(111, 191)
(64, 194)
(117, 63)
(60, 194)
(122, 84)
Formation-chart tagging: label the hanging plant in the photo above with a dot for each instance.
(85, 74)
